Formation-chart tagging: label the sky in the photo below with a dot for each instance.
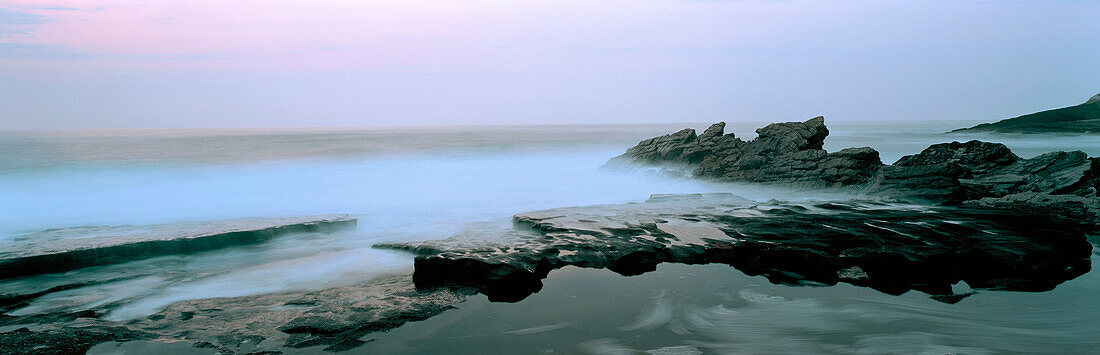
(82, 64)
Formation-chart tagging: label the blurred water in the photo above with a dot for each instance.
(403, 184)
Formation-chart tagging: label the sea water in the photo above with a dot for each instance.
(402, 184)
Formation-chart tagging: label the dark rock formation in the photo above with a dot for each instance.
(781, 153)
(1064, 207)
(985, 174)
(1083, 118)
(974, 173)
(59, 250)
(960, 171)
(890, 247)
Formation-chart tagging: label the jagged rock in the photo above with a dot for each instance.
(1088, 185)
(890, 247)
(950, 173)
(64, 249)
(956, 172)
(666, 148)
(781, 153)
(976, 156)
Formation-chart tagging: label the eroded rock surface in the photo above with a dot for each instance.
(890, 247)
(983, 174)
(334, 319)
(74, 339)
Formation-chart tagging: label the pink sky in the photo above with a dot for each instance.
(767, 45)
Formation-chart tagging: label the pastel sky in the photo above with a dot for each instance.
(227, 63)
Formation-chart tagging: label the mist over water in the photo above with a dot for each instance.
(402, 184)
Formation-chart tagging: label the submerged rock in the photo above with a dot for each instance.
(58, 250)
(890, 247)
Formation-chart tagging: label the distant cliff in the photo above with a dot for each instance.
(1083, 118)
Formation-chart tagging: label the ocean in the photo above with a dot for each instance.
(406, 184)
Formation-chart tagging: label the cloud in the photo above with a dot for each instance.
(40, 51)
(13, 22)
(58, 52)
(60, 8)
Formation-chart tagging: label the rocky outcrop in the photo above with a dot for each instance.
(1083, 118)
(961, 171)
(890, 247)
(58, 250)
(948, 173)
(781, 153)
(989, 175)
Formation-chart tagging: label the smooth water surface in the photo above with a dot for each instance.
(696, 309)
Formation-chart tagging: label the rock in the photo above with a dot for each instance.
(956, 172)
(64, 340)
(666, 148)
(936, 173)
(335, 318)
(1083, 118)
(948, 173)
(886, 246)
(58, 250)
(976, 156)
(1088, 185)
(781, 153)
(1068, 207)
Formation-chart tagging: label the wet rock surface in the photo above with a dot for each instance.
(64, 249)
(889, 247)
(974, 173)
(332, 320)
(76, 339)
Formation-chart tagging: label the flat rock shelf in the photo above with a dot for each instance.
(64, 249)
(892, 247)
